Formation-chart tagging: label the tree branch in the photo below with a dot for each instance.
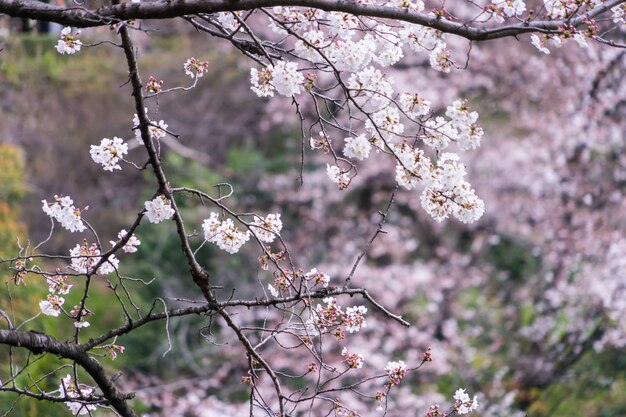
(39, 343)
(82, 17)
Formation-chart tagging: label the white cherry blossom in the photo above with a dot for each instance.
(159, 209)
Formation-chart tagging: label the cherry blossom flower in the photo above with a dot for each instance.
(440, 58)
(540, 44)
(581, 40)
(437, 205)
(154, 86)
(342, 24)
(619, 14)
(159, 209)
(463, 404)
(413, 105)
(85, 257)
(420, 38)
(262, 81)
(57, 284)
(272, 290)
(52, 305)
(267, 229)
(395, 372)
(318, 277)
(435, 411)
(112, 349)
(511, 7)
(355, 318)
(131, 245)
(156, 130)
(413, 167)
(69, 43)
(109, 152)
(338, 177)
(353, 360)
(357, 147)
(348, 55)
(286, 79)
(439, 133)
(226, 236)
(68, 389)
(195, 68)
(307, 48)
(327, 316)
(228, 20)
(63, 211)
(372, 87)
(388, 46)
(410, 5)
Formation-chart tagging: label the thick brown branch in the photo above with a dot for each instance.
(39, 343)
(82, 17)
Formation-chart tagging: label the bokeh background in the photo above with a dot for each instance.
(526, 307)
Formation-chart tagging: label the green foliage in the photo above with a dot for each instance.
(596, 386)
(513, 257)
(31, 59)
(11, 191)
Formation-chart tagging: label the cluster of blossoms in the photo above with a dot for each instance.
(52, 306)
(20, 271)
(109, 152)
(327, 316)
(286, 279)
(266, 229)
(413, 105)
(559, 9)
(57, 284)
(131, 245)
(338, 41)
(566, 32)
(354, 318)
(154, 86)
(157, 130)
(463, 404)
(69, 43)
(446, 190)
(463, 122)
(85, 257)
(357, 147)
(331, 315)
(225, 234)
(112, 350)
(338, 176)
(228, 20)
(371, 88)
(69, 389)
(77, 311)
(331, 38)
(353, 360)
(449, 193)
(542, 43)
(63, 211)
(435, 411)
(319, 278)
(195, 68)
(282, 77)
(159, 209)
(396, 370)
(500, 9)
